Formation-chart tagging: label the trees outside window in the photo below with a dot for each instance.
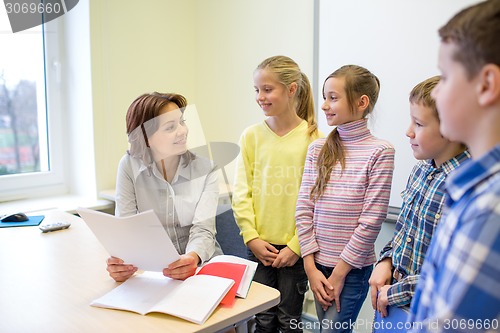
(31, 127)
(19, 132)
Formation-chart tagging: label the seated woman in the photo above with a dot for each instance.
(158, 172)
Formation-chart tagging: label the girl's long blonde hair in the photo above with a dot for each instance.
(289, 72)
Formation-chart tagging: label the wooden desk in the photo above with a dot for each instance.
(47, 282)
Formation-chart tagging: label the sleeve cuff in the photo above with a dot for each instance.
(249, 235)
(397, 297)
(293, 244)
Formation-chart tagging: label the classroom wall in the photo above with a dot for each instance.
(204, 49)
(397, 41)
(136, 47)
(77, 90)
(233, 37)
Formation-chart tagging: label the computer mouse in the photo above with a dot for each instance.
(17, 217)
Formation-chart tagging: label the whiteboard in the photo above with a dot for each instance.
(397, 40)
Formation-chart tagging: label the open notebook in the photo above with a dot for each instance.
(193, 299)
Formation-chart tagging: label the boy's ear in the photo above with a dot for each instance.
(363, 103)
(489, 85)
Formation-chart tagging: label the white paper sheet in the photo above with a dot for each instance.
(139, 240)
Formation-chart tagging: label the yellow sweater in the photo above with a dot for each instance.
(268, 176)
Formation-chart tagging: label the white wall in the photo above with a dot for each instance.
(397, 41)
(233, 37)
(136, 47)
(204, 49)
(77, 90)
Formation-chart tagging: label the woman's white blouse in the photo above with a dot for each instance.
(186, 207)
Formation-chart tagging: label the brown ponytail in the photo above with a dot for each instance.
(331, 153)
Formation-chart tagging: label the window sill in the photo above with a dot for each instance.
(66, 203)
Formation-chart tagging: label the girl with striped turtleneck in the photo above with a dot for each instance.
(343, 199)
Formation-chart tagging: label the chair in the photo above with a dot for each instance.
(228, 236)
(228, 233)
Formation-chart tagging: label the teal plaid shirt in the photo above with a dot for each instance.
(423, 201)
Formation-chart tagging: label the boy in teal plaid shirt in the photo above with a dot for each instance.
(396, 274)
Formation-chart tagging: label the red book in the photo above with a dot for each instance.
(227, 270)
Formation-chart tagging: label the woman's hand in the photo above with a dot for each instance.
(264, 251)
(182, 268)
(118, 270)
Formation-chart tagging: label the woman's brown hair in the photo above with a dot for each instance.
(141, 120)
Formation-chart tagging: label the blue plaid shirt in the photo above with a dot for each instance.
(459, 287)
(423, 200)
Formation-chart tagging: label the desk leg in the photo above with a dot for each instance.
(242, 327)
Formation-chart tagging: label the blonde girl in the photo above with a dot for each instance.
(269, 171)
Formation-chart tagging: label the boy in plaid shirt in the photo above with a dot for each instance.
(396, 274)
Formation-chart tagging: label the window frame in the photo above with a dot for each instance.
(53, 181)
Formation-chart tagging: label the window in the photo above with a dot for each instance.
(31, 144)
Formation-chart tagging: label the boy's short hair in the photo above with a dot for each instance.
(421, 93)
(475, 31)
